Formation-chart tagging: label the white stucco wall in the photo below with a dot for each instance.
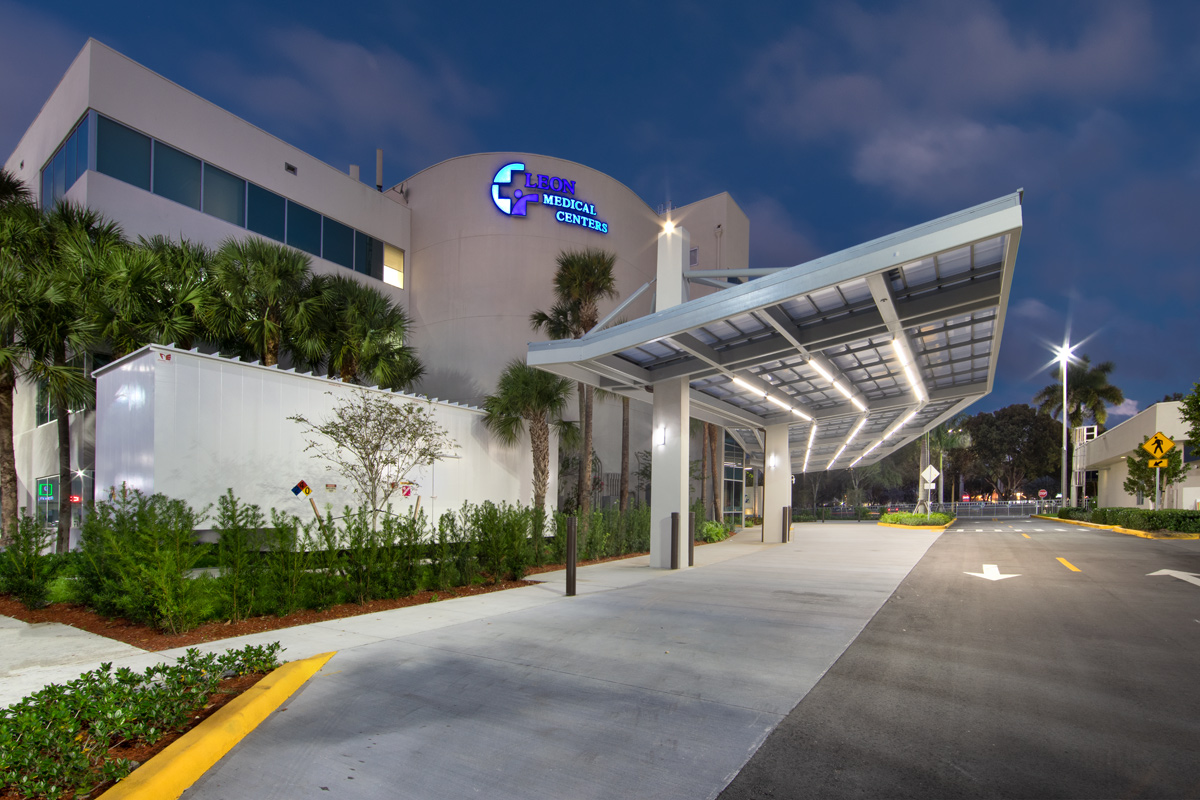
(1108, 453)
(190, 426)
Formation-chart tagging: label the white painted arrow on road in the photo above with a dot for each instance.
(992, 573)
(1174, 573)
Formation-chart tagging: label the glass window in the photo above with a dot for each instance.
(122, 153)
(81, 148)
(338, 243)
(68, 157)
(60, 174)
(45, 409)
(48, 187)
(266, 212)
(82, 494)
(224, 195)
(176, 175)
(393, 266)
(303, 228)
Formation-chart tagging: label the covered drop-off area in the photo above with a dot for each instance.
(829, 364)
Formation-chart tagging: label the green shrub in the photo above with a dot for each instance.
(287, 564)
(917, 519)
(136, 553)
(55, 743)
(26, 569)
(711, 531)
(1139, 519)
(500, 533)
(240, 556)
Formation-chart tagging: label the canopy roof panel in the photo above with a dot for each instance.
(871, 346)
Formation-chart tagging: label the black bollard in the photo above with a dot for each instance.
(572, 535)
(691, 538)
(674, 540)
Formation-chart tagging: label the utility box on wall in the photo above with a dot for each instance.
(190, 426)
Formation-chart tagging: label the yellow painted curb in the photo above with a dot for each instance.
(919, 527)
(168, 775)
(1118, 529)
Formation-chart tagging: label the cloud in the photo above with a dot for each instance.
(939, 98)
(341, 91)
(776, 240)
(35, 51)
(1126, 409)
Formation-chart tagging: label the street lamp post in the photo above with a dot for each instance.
(1064, 355)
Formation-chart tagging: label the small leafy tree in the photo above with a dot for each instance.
(1190, 411)
(375, 443)
(1141, 474)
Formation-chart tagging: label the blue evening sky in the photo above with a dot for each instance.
(829, 123)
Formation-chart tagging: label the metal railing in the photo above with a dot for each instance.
(973, 510)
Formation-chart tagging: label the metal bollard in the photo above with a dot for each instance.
(674, 540)
(691, 538)
(572, 536)
(785, 518)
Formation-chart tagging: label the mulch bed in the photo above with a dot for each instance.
(148, 638)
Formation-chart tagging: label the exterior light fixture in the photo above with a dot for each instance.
(909, 366)
(812, 434)
(824, 373)
(801, 415)
(748, 387)
(774, 461)
(660, 436)
(669, 227)
(780, 403)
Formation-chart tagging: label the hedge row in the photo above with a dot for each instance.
(1138, 519)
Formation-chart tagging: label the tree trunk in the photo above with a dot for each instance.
(539, 439)
(8, 460)
(624, 492)
(704, 470)
(585, 499)
(718, 471)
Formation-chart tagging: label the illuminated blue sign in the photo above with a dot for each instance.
(559, 193)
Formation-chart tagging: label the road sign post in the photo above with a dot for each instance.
(1158, 446)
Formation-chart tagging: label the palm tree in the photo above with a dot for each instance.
(1088, 393)
(529, 397)
(19, 224)
(260, 286)
(59, 331)
(950, 435)
(185, 293)
(358, 334)
(584, 277)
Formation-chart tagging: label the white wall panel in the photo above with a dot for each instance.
(201, 424)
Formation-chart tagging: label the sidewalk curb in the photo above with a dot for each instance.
(170, 773)
(1116, 528)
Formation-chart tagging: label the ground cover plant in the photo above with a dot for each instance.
(66, 740)
(917, 519)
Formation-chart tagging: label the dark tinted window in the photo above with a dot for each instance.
(123, 153)
(81, 148)
(176, 175)
(303, 229)
(59, 166)
(224, 195)
(266, 212)
(338, 245)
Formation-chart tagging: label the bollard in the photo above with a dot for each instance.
(674, 540)
(691, 538)
(785, 519)
(572, 535)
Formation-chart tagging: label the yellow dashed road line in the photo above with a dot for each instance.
(1069, 565)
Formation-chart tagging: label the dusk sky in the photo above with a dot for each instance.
(829, 124)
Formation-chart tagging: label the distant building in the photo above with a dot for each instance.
(1107, 454)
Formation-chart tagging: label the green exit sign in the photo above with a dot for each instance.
(46, 490)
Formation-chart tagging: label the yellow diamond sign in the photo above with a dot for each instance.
(1158, 445)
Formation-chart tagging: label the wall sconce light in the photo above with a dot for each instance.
(773, 462)
(660, 436)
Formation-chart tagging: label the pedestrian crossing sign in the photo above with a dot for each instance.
(1158, 445)
(1159, 463)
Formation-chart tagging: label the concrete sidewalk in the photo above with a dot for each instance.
(649, 684)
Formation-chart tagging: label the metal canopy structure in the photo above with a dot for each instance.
(859, 352)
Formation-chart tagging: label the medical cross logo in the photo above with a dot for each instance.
(551, 190)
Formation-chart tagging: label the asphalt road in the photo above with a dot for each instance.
(1079, 677)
